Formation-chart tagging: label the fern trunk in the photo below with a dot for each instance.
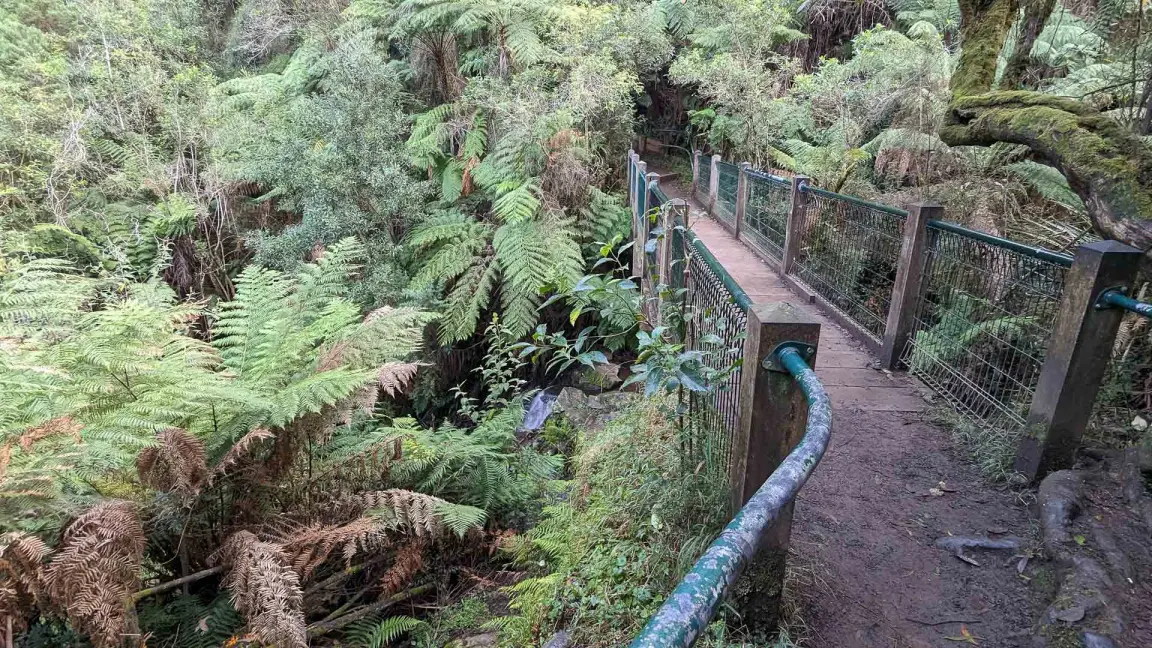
(1105, 164)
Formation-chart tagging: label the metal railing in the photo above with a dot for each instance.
(693, 604)
(714, 316)
(983, 321)
(848, 253)
(983, 312)
(1115, 298)
(728, 179)
(713, 307)
(765, 221)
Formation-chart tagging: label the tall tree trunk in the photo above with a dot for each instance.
(1036, 13)
(1105, 163)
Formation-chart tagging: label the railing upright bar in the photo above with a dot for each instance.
(640, 212)
(713, 183)
(696, 172)
(794, 228)
(741, 198)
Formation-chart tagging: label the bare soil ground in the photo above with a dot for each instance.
(888, 488)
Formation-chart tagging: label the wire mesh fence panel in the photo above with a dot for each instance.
(715, 323)
(848, 254)
(982, 323)
(766, 214)
(728, 180)
(657, 202)
(703, 178)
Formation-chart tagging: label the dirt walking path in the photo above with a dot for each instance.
(890, 485)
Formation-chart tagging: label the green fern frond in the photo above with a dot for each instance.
(377, 634)
(1048, 182)
(469, 297)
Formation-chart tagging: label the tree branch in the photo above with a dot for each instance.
(1106, 164)
(324, 627)
(984, 26)
(173, 584)
(1036, 13)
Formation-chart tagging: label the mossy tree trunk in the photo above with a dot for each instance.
(1036, 13)
(1106, 164)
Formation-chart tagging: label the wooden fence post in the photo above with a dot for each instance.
(906, 288)
(696, 154)
(773, 416)
(668, 224)
(741, 196)
(1076, 358)
(713, 183)
(640, 212)
(793, 230)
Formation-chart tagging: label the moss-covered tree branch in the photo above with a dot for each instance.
(1108, 166)
(984, 26)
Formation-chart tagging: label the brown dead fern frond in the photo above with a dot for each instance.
(264, 589)
(240, 451)
(408, 562)
(176, 464)
(396, 377)
(96, 569)
(308, 548)
(21, 576)
(59, 426)
(5, 459)
(408, 512)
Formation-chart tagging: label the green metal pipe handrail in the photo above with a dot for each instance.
(768, 176)
(691, 606)
(1020, 248)
(1115, 298)
(807, 188)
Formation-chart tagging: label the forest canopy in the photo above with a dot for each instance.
(278, 278)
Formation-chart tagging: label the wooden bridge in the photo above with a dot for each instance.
(863, 542)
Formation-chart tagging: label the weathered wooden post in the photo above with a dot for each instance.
(640, 211)
(741, 196)
(696, 155)
(1077, 357)
(713, 183)
(773, 416)
(667, 225)
(794, 228)
(906, 289)
(629, 181)
(649, 183)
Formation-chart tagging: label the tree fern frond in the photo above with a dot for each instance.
(1048, 182)
(469, 297)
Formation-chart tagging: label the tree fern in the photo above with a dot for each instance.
(603, 219)
(467, 300)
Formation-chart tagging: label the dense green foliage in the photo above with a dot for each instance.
(277, 278)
